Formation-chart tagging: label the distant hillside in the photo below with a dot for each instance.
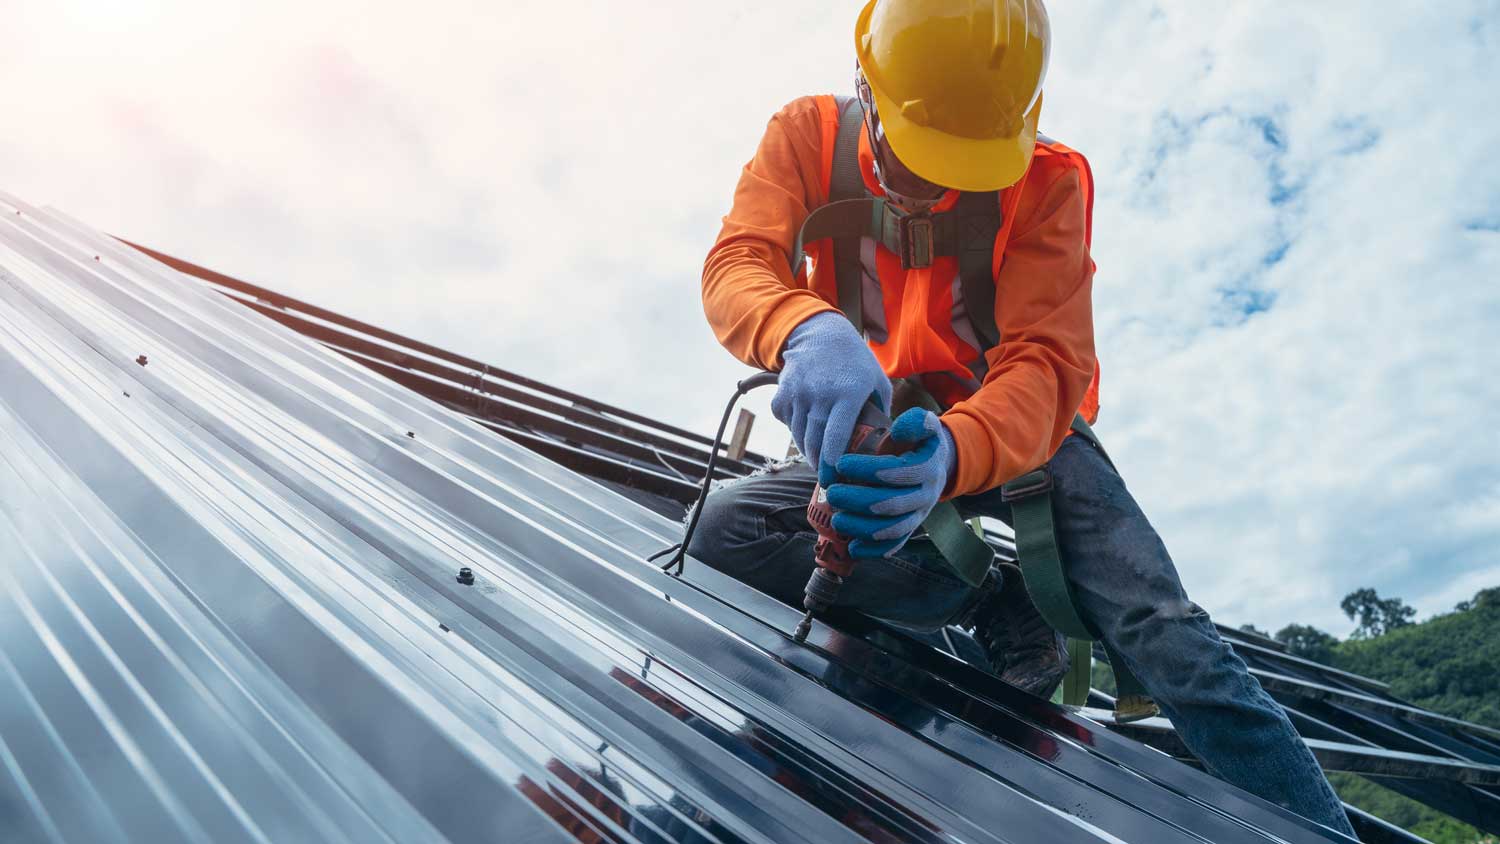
(1449, 663)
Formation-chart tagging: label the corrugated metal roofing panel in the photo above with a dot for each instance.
(230, 612)
(1350, 719)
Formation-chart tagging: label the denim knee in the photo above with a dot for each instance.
(743, 519)
(723, 526)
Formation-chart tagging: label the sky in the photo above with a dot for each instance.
(1297, 225)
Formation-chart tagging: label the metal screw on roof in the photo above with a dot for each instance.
(466, 576)
(141, 360)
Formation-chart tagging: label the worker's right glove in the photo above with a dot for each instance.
(881, 499)
(827, 375)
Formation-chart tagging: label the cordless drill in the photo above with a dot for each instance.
(871, 436)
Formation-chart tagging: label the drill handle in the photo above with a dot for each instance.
(870, 430)
(872, 433)
(871, 416)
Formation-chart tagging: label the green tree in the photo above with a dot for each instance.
(1308, 642)
(1250, 628)
(1483, 598)
(1376, 616)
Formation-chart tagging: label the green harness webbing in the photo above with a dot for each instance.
(963, 548)
(1030, 499)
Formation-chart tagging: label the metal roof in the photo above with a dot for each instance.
(231, 613)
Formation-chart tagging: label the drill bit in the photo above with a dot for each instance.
(803, 628)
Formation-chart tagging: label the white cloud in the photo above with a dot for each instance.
(1295, 225)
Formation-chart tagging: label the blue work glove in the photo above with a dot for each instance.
(827, 375)
(882, 499)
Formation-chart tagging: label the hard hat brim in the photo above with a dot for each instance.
(964, 164)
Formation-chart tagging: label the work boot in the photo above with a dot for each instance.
(1022, 648)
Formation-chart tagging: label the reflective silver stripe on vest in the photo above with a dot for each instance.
(872, 306)
(959, 316)
(964, 328)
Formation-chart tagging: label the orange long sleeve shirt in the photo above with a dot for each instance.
(1038, 374)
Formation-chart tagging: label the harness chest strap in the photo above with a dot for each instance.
(967, 232)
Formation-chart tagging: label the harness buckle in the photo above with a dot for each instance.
(1035, 482)
(915, 239)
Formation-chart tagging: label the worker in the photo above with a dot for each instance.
(942, 130)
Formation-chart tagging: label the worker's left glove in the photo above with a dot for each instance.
(828, 376)
(880, 500)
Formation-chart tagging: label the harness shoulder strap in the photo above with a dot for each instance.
(981, 219)
(846, 217)
(845, 183)
(968, 232)
(978, 223)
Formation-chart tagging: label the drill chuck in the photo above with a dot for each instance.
(822, 590)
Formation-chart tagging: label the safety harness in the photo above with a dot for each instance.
(967, 233)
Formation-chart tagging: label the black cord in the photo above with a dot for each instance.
(680, 558)
(663, 552)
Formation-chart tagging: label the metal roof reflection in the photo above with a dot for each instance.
(229, 612)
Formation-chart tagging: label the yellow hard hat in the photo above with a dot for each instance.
(957, 85)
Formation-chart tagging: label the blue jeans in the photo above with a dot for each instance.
(1125, 585)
